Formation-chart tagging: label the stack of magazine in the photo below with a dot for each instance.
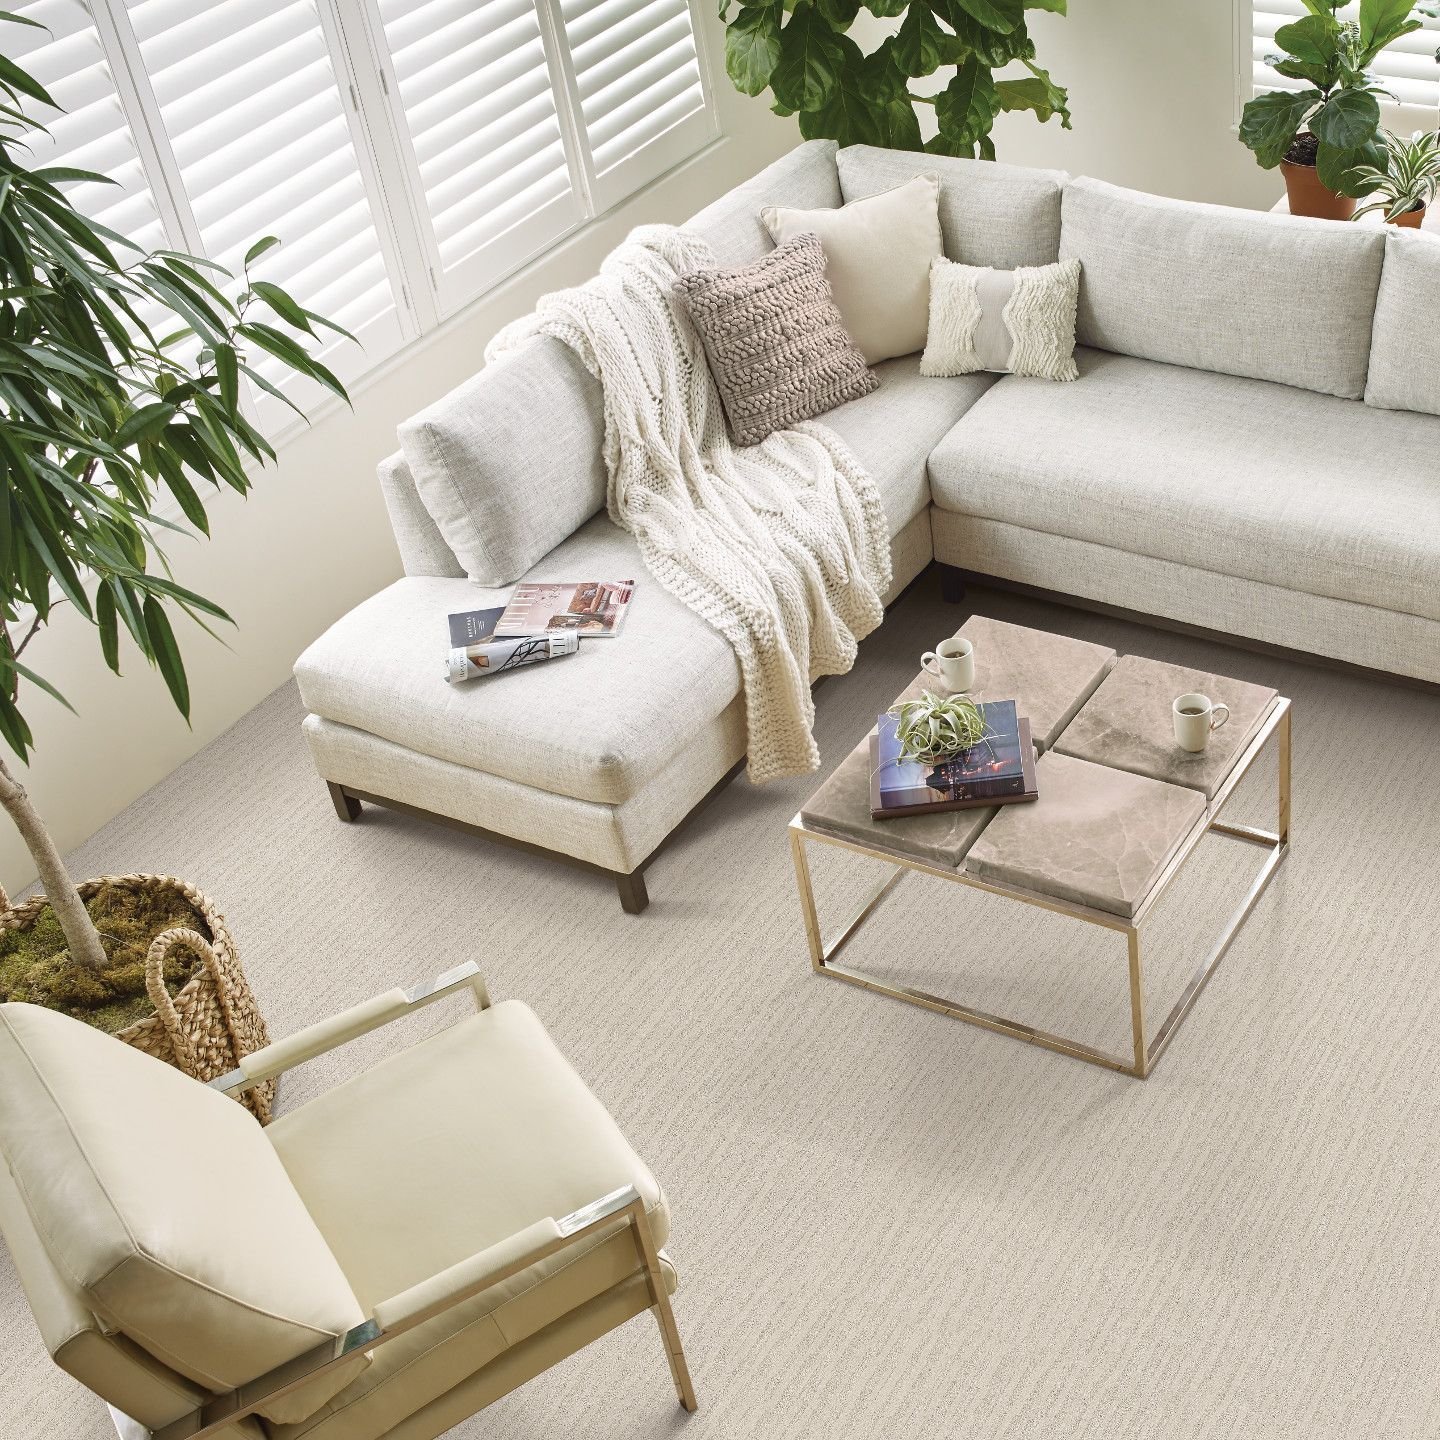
(541, 620)
(1000, 770)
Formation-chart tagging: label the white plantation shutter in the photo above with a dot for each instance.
(93, 133)
(249, 101)
(641, 90)
(1408, 68)
(480, 135)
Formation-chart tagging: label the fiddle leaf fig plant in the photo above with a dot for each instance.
(120, 392)
(1333, 120)
(803, 53)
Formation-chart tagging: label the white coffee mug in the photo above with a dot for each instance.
(952, 663)
(1195, 718)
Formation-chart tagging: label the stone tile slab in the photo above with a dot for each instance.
(1128, 724)
(1049, 676)
(1096, 836)
(841, 806)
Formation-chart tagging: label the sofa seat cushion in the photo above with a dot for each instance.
(439, 1152)
(893, 429)
(595, 726)
(1241, 477)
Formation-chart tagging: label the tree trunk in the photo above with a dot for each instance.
(80, 934)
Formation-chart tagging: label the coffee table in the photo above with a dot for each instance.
(1121, 810)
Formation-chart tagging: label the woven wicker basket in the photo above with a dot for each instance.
(213, 1021)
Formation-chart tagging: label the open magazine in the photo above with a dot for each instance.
(541, 621)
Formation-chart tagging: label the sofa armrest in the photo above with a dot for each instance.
(281, 1055)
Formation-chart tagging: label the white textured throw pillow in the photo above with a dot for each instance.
(1014, 322)
(878, 253)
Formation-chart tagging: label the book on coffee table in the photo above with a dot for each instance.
(998, 771)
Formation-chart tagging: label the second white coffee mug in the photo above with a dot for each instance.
(1195, 717)
(952, 663)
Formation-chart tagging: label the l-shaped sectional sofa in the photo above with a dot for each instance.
(1253, 447)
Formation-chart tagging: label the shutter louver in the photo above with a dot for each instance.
(1407, 69)
(486, 150)
(640, 88)
(251, 105)
(92, 134)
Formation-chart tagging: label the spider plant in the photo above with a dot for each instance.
(938, 727)
(1410, 179)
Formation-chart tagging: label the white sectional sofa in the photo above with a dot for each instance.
(1253, 447)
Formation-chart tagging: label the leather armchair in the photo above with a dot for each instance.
(378, 1264)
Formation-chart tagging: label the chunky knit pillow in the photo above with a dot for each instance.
(774, 340)
(1015, 322)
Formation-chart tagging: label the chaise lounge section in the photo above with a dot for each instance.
(1225, 461)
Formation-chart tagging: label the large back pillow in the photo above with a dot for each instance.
(1405, 345)
(1003, 216)
(1239, 292)
(509, 464)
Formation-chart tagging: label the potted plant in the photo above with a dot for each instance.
(1323, 135)
(1409, 180)
(119, 386)
(802, 52)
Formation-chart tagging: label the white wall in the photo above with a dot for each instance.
(1153, 92)
(310, 542)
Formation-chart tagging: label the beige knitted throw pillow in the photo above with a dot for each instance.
(773, 339)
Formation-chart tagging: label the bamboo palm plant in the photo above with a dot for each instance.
(106, 416)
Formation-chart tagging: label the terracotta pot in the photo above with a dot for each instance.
(1309, 197)
(1411, 219)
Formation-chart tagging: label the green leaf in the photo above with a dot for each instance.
(1039, 93)
(282, 305)
(1382, 21)
(43, 683)
(886, 9)
(146, 421)
(973, 38)
(1056, 7)
(16, 79)
(811, 57)
(13, 727)
(269, 242)
(967, 107)
(1333, 168)
(840, 13)
(227, 367)
(1346, 120)
(166, 654)
(752, 47)
(919, 44)
(1299, 70)
(1314, 39)
(109, 630)
(1269, 122)
(849, 116)
(1001, 15)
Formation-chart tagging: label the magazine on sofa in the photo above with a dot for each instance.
(476, 651)
(998, 771)
(591, 609)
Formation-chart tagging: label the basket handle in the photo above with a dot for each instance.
(160, 947)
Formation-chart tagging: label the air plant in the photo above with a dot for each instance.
(938, 727)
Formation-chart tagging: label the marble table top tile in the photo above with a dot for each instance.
(1128, 723)
(1049, 676)
(1096, 836)
(842, 807)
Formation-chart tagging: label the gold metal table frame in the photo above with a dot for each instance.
(1146, 1053)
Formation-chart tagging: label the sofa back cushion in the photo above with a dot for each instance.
(1405, 344)
(804, 178)
(1004, 216)
(510, 463)
(422, 547)
(1239, 292)
(164, 1205)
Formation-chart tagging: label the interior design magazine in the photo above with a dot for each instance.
(591, 609)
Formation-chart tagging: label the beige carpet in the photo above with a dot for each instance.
(888, 1223)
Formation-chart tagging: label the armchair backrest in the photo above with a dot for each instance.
(151, 1212)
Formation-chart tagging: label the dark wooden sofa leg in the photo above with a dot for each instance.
(633, 895)
(347, 807)
(952, 584)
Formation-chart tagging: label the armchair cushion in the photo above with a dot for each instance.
(162, 1203)
(442, 1151)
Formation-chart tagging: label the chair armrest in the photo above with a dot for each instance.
(281, 1055)
(415, 1306)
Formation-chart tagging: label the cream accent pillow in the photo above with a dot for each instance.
(1012, 322)
(878, 253)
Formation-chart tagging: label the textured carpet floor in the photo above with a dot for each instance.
(887, 1223)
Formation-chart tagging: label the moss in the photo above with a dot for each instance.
(36, 967)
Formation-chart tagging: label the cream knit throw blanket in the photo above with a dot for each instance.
(782, 546)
